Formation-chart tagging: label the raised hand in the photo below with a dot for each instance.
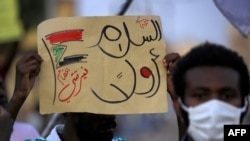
(169, 62)
(27, 68)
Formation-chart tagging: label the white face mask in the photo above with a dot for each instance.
(207, 120)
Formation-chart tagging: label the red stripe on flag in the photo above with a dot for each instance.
(63, 36)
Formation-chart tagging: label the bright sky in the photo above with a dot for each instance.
(182, 20)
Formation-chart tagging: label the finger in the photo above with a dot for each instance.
(170, 58)
(28, 64)
(30, 56)
(28, 67)
(172, 66)
(169, 68)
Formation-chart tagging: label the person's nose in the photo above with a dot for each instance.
(214, 95)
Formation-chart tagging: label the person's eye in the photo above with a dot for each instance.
(227, 95)
(201, 96)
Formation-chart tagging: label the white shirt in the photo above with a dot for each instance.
(53, 136)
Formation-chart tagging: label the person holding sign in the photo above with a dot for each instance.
(209, 88)
(27, 69)
(78, 126)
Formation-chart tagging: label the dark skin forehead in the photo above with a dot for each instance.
(206, 83)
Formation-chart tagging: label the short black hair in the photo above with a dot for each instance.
(210, 54)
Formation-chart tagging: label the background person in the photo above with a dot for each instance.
(210, 88)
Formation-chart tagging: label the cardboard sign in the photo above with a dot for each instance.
(107, 65)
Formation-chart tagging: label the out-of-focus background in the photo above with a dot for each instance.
(185, 24)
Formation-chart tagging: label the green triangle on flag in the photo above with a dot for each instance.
(58, 51)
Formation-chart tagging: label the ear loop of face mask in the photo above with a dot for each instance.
(185, 108)
(244, 108)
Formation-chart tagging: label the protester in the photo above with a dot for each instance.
(27, 69)
(77, 126)
(210, 88)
